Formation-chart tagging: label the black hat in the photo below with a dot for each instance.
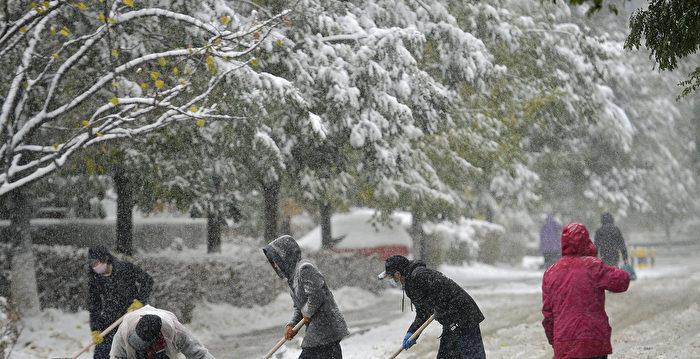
(392, 265)
(97, 253)
(144, 335)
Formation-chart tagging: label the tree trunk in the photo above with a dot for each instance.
(271, 192)
(418, 235)
(213, 233)
(23, 286)
(125, 207)
(326, 233)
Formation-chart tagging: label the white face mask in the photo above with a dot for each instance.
(394, 283)
(100, 268)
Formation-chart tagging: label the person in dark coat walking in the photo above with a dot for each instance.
(433, 293)
(550, 241)
(115, 287)
(573, 298)
(609, 241)
(313, 301)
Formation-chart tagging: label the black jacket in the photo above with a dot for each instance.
(609, 241)
(109, 297)
(431, 292)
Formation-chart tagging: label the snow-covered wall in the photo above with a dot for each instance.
(148, 233)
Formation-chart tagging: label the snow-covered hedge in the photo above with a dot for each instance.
(9, 330)
(83, 232)
(239, 276)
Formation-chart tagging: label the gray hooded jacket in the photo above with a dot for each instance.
(310, 294)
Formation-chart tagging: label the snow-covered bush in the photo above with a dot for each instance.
(9, 330)
(240, 276)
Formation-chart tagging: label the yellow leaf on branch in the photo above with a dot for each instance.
(115, 84)
(101, 17)
(176, 71)
(99, 134)
(144, 85)
(130, 3)
(225, 20)
(193, 109)
(86, 123)
(159, 83)
(55, 56)
(154, 75)
(200, 122)
(114, 101)
(55, 145)
(161, 61)
(81, 6)
(115, 53)
(22, 29)
(254, 62)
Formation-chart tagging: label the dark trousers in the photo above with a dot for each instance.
(328, 351)
(461, 343)
(102, 349)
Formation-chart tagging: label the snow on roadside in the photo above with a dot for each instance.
(211, 320)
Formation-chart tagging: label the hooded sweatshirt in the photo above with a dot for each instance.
(573, 297)
(309, 292)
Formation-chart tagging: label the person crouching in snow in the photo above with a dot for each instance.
(433, 293)
(573, 298)
(313, 301)
(152, 333)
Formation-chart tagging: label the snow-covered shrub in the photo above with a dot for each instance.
(9, 329)
(183, 279)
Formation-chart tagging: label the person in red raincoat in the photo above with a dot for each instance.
(573, 298)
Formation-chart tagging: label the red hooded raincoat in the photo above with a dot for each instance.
(573, 297)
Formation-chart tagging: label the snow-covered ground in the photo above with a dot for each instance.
(658, 317)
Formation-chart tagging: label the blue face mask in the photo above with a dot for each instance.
(394, 283)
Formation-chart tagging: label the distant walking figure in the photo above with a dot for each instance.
(550, 241)
(609, 241)
(573, 298)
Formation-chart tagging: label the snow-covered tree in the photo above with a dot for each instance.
(78, 74)
(377, 74)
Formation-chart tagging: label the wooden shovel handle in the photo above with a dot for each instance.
(281, 342)
(104, 332)
(414, 336)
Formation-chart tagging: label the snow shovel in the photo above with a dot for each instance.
(104, 332)
(414, 336)
(281, 342)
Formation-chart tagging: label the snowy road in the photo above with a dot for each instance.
(658, 317)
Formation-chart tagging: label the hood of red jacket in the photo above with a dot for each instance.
(576, 241)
